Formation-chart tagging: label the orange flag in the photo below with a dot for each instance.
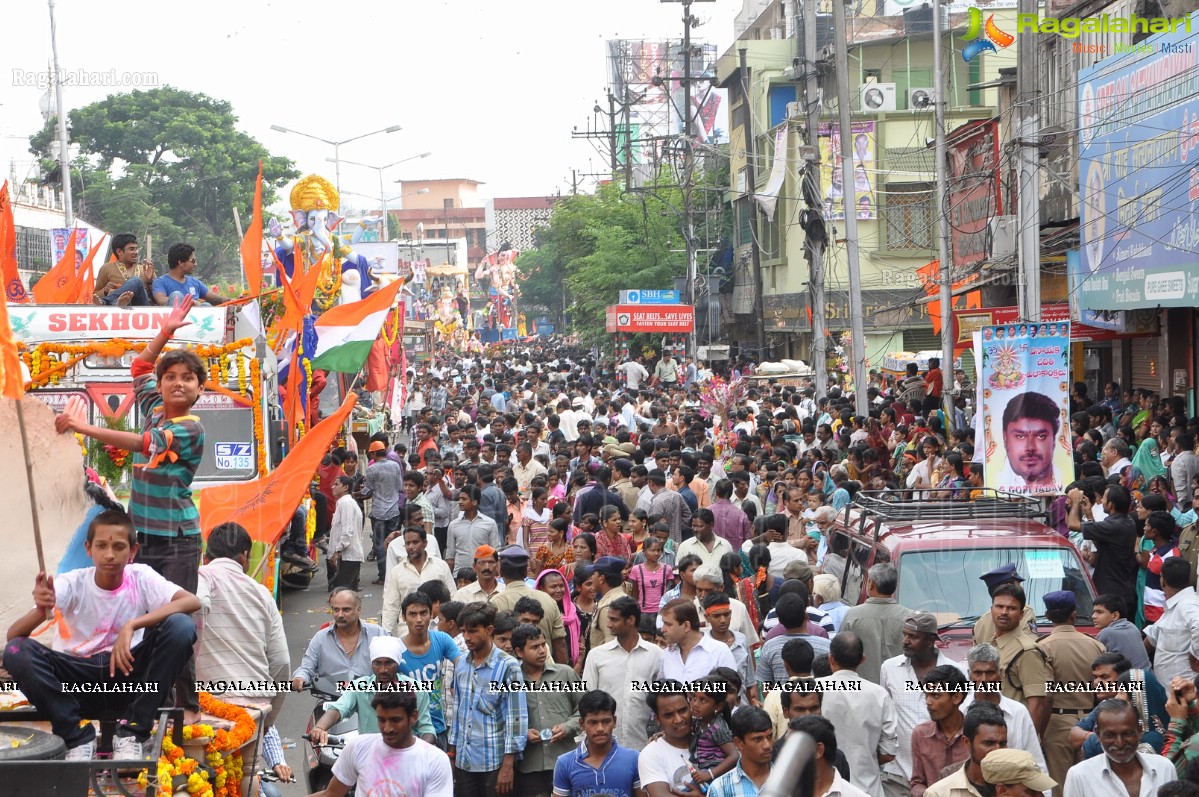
(265, 506)
(294, 306)
(10, 279)
(57, 286)
(251, 242)
(85, 283)
(12, 384)
(292, 400)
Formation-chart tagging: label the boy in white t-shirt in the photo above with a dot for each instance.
(120, 626)
(392, 761)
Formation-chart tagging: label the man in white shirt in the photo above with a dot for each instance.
(898, 675)
(345, 536)
(1117, 726)
(869, 741)
(407, 575)
(828, 781)
(1175, 637)
(691, 654)
(240, 631)
(634, 373)
(705, 544)
(615, 666)
(664, 764)
(982, 668)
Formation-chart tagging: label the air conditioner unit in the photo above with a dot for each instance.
(920, 98)
(1003, 236)
(792, 110)
(877, 97)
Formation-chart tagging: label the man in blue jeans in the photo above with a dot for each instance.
(124, 627)
(177, 283)
(124, 281)
(385, 481)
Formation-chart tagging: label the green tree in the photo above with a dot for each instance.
(168, 163)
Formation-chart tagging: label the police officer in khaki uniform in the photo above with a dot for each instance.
(1070, 654)
(984, 627)
(1021, 663)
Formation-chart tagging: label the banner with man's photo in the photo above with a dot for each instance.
(1024, 379)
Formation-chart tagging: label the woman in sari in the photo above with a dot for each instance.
(555, 553)
(553, 583)
(1146, 464)
(759, 590)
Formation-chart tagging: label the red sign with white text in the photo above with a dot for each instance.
(676, 318)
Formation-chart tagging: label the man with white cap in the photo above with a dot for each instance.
(1013, 773)
(386, 654)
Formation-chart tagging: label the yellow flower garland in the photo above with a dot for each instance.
(259, 424)
(223, 754)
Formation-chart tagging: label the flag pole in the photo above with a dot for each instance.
(37, 527)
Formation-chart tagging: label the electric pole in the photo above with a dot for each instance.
(946, 271)
(856, 325)
(814, 243)
(612, 132)
(1028, 100)
(751, 172)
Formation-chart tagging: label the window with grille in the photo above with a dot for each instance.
(908, 211)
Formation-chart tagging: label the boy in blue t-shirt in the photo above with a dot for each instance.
(599, 765)
(177, 283)
(425, 650)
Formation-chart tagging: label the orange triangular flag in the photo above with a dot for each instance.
(293, 309)
(251, 242)
(293, 406)
(58, 284)
(264, 507)
(85, 283)
(306, 287)
(10, 279)
(12, 384)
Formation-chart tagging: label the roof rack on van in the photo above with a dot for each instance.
(902, 506)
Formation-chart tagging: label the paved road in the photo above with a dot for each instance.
(304, 612)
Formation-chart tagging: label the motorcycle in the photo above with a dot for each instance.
(320, 758)
(296, 567)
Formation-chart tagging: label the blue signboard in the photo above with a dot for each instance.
(1138, 123)
(649, 297)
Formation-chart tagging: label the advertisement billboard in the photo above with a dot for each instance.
(1024, 380)
(966, 322)
(973, 182)
(1139, 187)
(864, 200)
(671, 318)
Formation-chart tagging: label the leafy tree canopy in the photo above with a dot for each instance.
(168, 163)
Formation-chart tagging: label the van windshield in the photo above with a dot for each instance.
(946, 582)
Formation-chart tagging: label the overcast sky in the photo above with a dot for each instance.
(492, 88)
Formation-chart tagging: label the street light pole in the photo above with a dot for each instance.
(336, 148)
(380, 170)
(64, 154)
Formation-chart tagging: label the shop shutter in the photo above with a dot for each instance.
(1147, 368)
(915, 340)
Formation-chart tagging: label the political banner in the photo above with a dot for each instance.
(1025, 392)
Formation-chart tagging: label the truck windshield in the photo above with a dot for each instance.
(947, 583)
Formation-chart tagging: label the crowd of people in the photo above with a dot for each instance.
(591, 589)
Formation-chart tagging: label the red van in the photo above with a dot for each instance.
(941, 548)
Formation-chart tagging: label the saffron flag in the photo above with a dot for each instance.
(345, 334)
(292, 409)
(85, 283)
(930, 277)
(57, 286)
(12, 384)
(264, 507)
(294, 308)
(10, 278)
(251, 242)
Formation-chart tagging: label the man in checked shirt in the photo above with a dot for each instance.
(491, 724)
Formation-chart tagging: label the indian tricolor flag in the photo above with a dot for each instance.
(346, 333)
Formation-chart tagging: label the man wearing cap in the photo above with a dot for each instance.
(486, 585)
(1070, 654)
(1121, 771)
(1013, 773)
(514, 567)
(897, 675)
(386, 654)
(985, 732)
(668, 505)
(609, 585)
(1025, 671)
(385, 481)
(984, 627)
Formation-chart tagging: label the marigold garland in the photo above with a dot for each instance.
(395, 328)
(223, 753)
(259, 424)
